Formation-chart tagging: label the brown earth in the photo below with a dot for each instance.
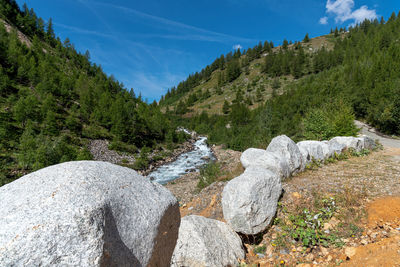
(368, 193)
(206, 202)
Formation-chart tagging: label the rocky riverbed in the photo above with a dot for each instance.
(185, 163)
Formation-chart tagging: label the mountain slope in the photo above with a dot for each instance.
(53, 101)
(308, 94)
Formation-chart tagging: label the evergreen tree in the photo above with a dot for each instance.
(226, 107)
(306, 38)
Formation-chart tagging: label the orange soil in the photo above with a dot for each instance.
(386, 252)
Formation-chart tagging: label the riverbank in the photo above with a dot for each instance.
(185, 188)
(100, 151)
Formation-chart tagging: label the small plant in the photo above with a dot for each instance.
(314, 164)
(361, 153)
(307, 226)
(260, 249)
(208, 174)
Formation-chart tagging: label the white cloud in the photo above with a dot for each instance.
(363, 13)
(237, 46)
(323, 20)
(181, 31)
(343, 11)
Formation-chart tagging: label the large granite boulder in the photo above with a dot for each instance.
(312, 150)
(266, 160)
(335, 147)
(87, 213)
(349, 142)
(368, 142)
(206, 242)
(250, 200)
(285, 148)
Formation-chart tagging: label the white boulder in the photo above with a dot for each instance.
(249, 201)
(368, 142)
(206, 242)
(266, 160)
(312, 150)
(285, 148)
(349, 142)
(87, 213)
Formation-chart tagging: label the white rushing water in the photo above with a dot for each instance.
(185, 163)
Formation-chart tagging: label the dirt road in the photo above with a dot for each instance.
(385, 140)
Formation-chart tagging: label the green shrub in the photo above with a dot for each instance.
(307, 226)
(208, 174)
(123, 147)
(142, 162)
(260, 249)
(332, 120)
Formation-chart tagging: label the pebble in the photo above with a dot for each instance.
(350, 252)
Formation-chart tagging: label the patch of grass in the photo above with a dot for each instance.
(260, 249)
(209, 174)
(304, 223)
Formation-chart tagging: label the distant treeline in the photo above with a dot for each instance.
(358, 78)
(53, 100)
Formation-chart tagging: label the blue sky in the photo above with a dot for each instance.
(152, 45)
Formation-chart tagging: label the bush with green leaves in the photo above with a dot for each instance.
(306, 226)
(332, 120)
(208, 174)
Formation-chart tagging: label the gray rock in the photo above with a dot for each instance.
(306, 159)
(349, 142)
(206, 242)
(250, 200)
(313, 150)
(285, 148)
(266, 160)
(87, 213)
(368, 142)
(335, 147)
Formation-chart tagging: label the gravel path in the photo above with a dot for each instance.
(385, 140)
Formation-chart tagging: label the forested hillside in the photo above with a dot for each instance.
(53, 100)
(302, 90)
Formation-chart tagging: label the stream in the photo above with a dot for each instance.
(187, 162)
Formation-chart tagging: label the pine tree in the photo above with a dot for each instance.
(259, 96)
(226, 107)
(285, 44)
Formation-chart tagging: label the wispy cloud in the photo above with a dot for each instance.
(343, 11)
(237, 46)
(98, 16)
(323, 20)
(84, 31)
(186, 32)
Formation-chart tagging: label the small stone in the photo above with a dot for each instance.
(260, 255)
(269, 250)
(310, 257)
(329, 258)
(327, 226)
(296, 195)
(364, 242)
(284, 251)
(350, 252)
(324, 251)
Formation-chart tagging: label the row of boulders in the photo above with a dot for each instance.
(95, 213)
(250, 201)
